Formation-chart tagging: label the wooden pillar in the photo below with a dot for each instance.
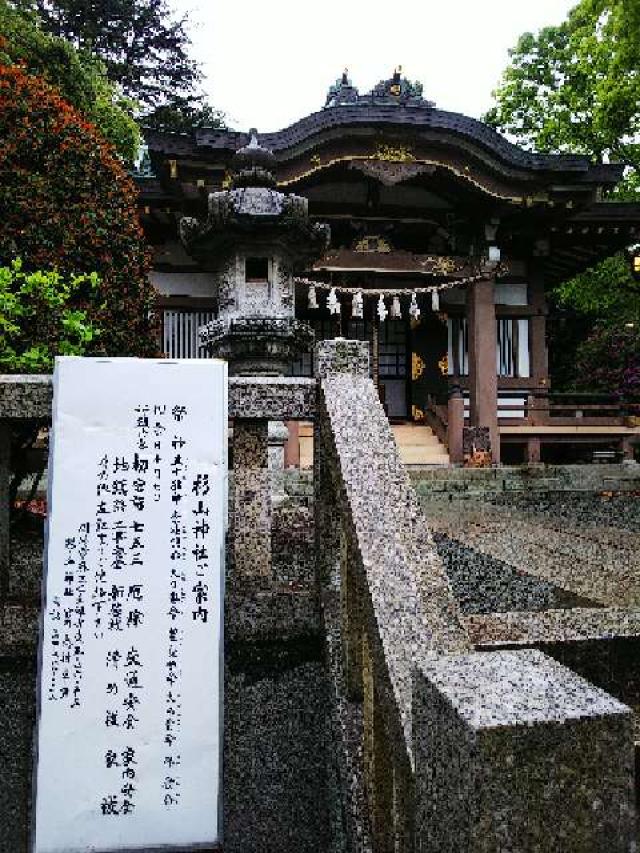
(455, 425)
(626, 446)
(539, 353)
(538, 408)
(483, 379)
(539, 356)
(292, 446)
(533, 450)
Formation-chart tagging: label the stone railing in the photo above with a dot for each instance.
(385, 588)
(456, 750)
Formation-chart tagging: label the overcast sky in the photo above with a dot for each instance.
(270, 62)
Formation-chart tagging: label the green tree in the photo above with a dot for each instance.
(38, 318)
(604, 291)
(183, 117)
(595, 327)
(80, 78)
(575, 88)
(144, 47)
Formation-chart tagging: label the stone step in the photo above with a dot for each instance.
(414, 435)
(417, 441)
(418, 445)
(418, 456)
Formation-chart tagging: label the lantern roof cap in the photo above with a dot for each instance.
(254, 164)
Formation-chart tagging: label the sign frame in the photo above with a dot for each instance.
(202, 364)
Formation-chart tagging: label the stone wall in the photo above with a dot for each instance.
(515, 752)
(280, 788)
(539, 478)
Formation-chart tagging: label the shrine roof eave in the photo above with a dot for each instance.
(205, 142)
(397, 262)
(610, 212)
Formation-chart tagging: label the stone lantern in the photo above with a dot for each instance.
(253, 240)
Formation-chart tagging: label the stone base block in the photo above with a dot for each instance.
(514, 752)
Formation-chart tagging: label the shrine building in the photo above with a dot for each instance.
(444, 240)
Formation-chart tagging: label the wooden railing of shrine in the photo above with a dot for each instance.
(564, 409)
(436, 416)
(542, 408)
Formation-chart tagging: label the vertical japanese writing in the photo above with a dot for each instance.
(124, 592)
(171, 783)
(67, 614)
(129, 683)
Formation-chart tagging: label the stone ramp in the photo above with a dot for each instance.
(411, 605)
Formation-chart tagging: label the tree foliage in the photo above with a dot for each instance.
(594, 329)
(80, 78)
(67, 204)
(38, 320)
(183, 117)
(576, 87)
(606, 290)
(144, 47)
(609, 360)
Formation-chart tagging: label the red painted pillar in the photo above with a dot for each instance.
(483, 379)
(292, 446)
(533, 450)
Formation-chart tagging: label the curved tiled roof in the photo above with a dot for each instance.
(421, 118)
(417, 118)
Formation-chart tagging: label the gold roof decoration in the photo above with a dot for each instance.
(442, 265)
(393, 154)
(417, 366)
(373, 243)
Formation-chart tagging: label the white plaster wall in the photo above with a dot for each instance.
(504, 294)
(184, 284)
(511, 294)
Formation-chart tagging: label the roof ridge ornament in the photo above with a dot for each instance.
(400, 90)
(397, 90)
(342, 92)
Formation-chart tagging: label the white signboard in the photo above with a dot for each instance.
(130, 687)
